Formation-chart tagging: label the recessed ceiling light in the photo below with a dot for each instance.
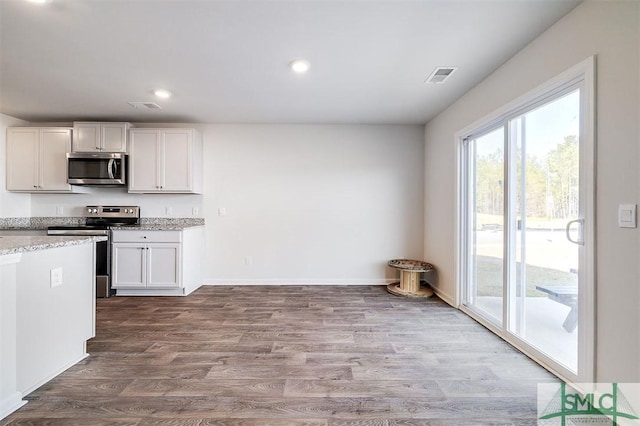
(38, 1)
(162, 93)
(299, 66)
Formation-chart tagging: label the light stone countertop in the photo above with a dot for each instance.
(146, 224)
(21, 244)
(162, 224)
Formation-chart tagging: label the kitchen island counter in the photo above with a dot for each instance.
(21, 244)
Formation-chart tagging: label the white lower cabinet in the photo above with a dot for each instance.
(156, 263)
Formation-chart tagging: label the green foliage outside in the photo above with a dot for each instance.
(551, 182)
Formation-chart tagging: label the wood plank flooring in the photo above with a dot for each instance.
(289, 355)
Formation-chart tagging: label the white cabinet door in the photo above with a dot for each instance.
(129, 266)
(177, 156)
(164, 160)
(37, 159)
(163, 265)
(22, 159)
(86, 137)
(91, 136)
(114, 136)
(144, 160)
(54, 145)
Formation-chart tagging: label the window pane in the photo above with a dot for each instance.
(487, 224)
(545, 284)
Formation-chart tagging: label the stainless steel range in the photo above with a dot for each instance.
(99, 220)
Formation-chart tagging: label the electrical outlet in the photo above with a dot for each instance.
(168, 210)
(222, 211)
(56, 277)
(195, 211)
(59, 210)
(248, 260)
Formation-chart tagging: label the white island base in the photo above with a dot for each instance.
(47, 313)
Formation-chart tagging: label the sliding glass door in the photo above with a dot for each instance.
(486, 161)
(545, 202)
(523, 213)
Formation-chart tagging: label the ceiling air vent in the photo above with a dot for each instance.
(145, 105)
(440, 75)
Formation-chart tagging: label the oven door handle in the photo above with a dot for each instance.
(112, 162)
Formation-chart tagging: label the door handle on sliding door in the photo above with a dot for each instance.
(580, 222)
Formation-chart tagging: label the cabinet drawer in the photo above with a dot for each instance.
(147, 236)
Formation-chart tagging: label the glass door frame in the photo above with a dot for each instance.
(581, 76)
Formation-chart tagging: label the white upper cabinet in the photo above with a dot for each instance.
(165, 160)
(100, 137)
(37, 159)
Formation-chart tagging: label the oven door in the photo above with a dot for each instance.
(96, 169)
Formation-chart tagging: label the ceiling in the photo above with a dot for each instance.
(226, 61)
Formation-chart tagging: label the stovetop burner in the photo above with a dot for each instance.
(99, 218)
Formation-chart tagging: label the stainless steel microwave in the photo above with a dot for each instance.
(103, 168)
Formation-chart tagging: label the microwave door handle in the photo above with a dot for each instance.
(112, 163)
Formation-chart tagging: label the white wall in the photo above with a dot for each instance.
(151, 205)
(312, 203)
(11, 204)
(307, 203)
(609, 30)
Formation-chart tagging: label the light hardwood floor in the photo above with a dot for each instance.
(289, 355)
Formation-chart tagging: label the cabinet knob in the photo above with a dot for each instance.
(145, 237)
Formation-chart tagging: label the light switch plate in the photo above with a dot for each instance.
(627, 216)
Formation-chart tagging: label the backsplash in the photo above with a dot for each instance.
(151, 205)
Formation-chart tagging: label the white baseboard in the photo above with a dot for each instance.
(152, 292)
(301, 281)
(56, 373)
(445, 297)
(11, 403)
